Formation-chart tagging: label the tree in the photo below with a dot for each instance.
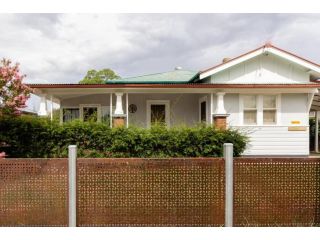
(97, 77)
(13, 93)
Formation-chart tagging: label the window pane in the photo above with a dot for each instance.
(269, 116)
(249, 101)
(90, 114)
(158, 114)
(250, 117)
(269, 101)
(70, 114)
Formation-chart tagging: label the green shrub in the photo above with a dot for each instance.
(28, 136)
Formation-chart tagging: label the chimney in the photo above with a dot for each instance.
(226, 60)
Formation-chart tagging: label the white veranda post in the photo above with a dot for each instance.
(211, 109)
(43, 106)
(51, 108)
(220, 104)
(110, 110)
(127, 110)
(119, 108)
(118, 116)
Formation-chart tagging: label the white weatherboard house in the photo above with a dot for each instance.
(267, 93)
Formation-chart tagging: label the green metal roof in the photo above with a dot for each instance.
(176, 76)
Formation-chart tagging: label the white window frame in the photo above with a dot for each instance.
(67, 107)
(259, 104)
(98, 106)
(257, 109)
(276, 109)
(158, 102)
(201, 100)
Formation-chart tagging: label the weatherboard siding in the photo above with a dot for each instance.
(264, 69)
(293, 107)
(276, 140)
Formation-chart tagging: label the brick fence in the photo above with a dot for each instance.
(161, 192)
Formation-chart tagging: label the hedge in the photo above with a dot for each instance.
(28, 136)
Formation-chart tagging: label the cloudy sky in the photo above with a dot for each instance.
(60, 48)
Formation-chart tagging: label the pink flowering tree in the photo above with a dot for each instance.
(13, 93)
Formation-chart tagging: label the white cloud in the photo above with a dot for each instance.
(56, 48)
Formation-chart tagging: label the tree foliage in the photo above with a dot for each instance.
(13, 93)
(98, 77)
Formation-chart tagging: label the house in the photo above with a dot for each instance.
(267, 93)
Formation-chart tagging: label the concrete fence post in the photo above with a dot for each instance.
(228, 157)
(72, 186)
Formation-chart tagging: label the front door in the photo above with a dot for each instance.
(203, 111)
(90, 112)
(158, 112)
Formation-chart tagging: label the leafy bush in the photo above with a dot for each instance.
(28, 136)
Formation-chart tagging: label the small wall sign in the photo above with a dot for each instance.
(295, 122)
(297, 128)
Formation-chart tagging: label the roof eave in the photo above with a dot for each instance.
(181, 85)
(146, 82)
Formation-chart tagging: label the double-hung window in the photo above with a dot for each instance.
(269, 110)
(69, 114)
(250, 110)
(259, 109)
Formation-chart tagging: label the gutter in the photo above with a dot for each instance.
(179, 85)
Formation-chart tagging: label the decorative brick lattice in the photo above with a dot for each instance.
(277, 192)
(150, 192)
(33, 192)
(161, 192)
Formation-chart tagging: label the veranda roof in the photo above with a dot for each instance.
(176, 76)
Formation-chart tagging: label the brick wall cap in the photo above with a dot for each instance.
(119, 116)
(221, 115)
